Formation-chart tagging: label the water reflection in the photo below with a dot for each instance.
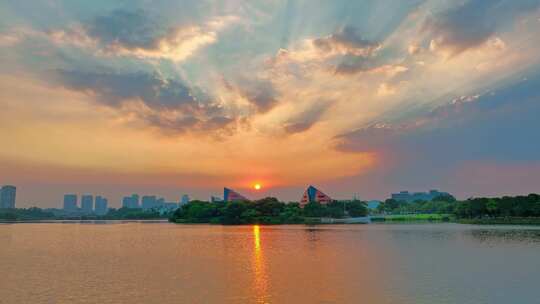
(505, 235)
(260, 280)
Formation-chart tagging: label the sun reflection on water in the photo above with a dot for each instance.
(260, 280)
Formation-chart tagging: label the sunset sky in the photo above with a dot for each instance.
(356, 97)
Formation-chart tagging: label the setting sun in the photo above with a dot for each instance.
(257, 186)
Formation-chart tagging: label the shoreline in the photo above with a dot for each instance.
(388, 220)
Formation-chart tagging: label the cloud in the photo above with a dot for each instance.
(472, 24)
(130, 29)
(345, 41)
(138, 34)
(376, 137)
(168, 104)
(260, 93)
(497, 126)
(115, 88)
(304, 120)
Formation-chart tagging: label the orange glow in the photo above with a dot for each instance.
(257, 237)
(257, 186)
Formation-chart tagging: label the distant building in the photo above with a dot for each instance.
(215, 199)
(160, 202)
(312, 195)
(70, 202)
(87, 203)
(230, 195)
(184, 200)
(101, 207)
(131, 202)
(148, 202)
(409, 197)
(374, 204)
(7, 197)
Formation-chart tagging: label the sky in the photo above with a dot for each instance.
(359, 98)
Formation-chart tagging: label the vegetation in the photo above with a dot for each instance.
(264, 211)
(503, 210)
(130, 214)
(413, 218)
(439, 205)
(36, 214)
(25, 214)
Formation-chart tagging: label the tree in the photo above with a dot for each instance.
(314, 209)
(232, 215)
(357, 208)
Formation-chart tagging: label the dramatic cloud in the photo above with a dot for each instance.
(168, 104)
(130, 29)
(497, 126)
(260, 93)
(115, 88)
(472, 23)
(346, 41)
(138, 34)
(303, 121)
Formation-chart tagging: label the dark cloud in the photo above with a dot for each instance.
(306, 119)
(500, 126)
(369, 139)
(347, 40)
(173, 105)
(355, 64)
(176, 125)
(130, 29)
(474, 22)
(259, 92)
(115, 88)
(354, 54)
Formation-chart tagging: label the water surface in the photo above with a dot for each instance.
(139, 262)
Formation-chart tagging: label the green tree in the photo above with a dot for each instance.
(357, 208)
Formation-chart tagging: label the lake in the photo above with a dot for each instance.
(149, 262)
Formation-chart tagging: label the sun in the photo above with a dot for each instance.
(257, 186)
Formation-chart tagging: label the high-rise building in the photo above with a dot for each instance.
(87, 203)
(131, 202)
(148, 202)
(70, 202)
(184, 200)
(160, 202)
(101, 207)
(7, 197)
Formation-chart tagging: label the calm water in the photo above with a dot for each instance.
(167, 263)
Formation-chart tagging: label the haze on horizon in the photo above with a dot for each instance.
(356, 97)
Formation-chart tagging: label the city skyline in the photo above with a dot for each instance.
(90, 203)
(355, 97)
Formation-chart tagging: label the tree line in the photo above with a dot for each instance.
(264, 211)
(506, 206)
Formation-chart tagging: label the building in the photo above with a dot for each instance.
(184, 200)
(87, 203)
(148, 202)
(409, 197)
(230, 195)
(215, 199)
(131, 202)
(101, 207)
(312, 195)
(160, 202)
(373, 204)
(7, 197)
(70, 202)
